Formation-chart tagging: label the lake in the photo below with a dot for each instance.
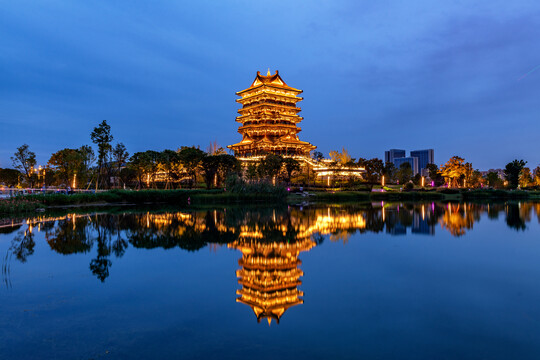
(372, 280)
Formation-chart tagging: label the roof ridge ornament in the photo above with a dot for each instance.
(268, 73)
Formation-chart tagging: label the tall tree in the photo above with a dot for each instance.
(291, 166)
(210, 166)
(404, 173)
(492, 179)
(317, 156)
(537, 177)
(525, 178)
(454, 170)
(270, 166)
(191, 158)
(374, 169)
(228, 165)
(9, 177)
(101, 136)
(435, 174)
(169, 164)
(140, 163)
(215, 149)
(342, 157)
(390, 172)
(512, 172)
(24, 160)
(120, 156)
(66, 163)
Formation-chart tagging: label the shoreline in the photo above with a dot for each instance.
(184, 198)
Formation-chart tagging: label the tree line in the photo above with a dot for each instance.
(110, 165)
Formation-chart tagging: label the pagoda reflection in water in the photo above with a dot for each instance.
(270, 239)
(270, 275)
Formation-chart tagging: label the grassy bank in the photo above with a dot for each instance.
(419, 195)
(29, 203)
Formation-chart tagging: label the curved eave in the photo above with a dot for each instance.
(239, 93)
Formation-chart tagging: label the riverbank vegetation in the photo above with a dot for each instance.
(110, 166)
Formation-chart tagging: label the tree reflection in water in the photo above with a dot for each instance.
(111, 234)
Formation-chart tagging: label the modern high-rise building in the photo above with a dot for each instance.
(413, 161)
(392, 154)
(425, 157)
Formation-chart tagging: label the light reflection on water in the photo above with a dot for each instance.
(270, 240)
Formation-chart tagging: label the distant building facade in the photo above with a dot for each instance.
(392, 154)
(419, 159)
(425, 157)
(411, 160)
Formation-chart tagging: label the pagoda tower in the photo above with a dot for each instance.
(269, 119)
(270, 275)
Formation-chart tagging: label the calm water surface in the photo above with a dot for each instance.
(374, 281)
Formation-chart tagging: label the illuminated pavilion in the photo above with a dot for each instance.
(269, 119)
(270, 275)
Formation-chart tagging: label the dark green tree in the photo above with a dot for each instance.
(191, 158)
(270, 166)
(24, 160)
(251, 171)
(9, 177)
(66, 163)
(404, 174)
(389, 172)
(493, 180)
(141, 164)
(291, 166)
(317, 156)
(435, 174)
(512, 172)
(210, 165)
(101, 136)
(119, 156)
(374, 169)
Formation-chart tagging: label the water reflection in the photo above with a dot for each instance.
(270, 274)
(270, 240)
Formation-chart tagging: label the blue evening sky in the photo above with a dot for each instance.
(450, 75)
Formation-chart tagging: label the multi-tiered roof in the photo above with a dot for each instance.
(269, 275)
(269, 118)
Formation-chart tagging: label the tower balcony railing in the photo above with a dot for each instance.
(269, 105)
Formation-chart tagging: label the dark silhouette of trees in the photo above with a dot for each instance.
(291, 166)
(512, 172)
(101, 136)
(191, 158)
(24, 160)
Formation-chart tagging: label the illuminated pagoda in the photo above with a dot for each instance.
(270, 276)
(269, 119)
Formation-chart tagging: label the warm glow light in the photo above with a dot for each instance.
(423, 181)
(382, 181)
(74, 181)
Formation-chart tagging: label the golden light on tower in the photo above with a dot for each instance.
(269, 275)
(269, 119)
